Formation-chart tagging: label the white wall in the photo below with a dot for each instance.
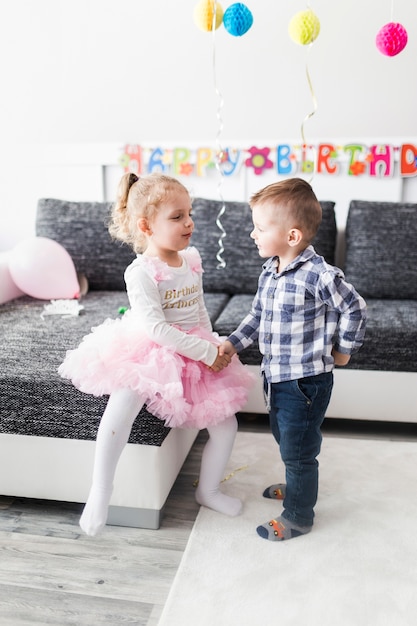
(127, 70)
(82, 77)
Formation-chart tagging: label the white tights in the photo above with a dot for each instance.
(113, 433)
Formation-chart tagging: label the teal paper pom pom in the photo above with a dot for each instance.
(237, 19)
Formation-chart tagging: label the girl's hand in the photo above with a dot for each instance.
(222, 361)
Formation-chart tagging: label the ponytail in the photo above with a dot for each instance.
(126, 183)
(119, 227)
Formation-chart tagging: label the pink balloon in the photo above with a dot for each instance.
(8, 289)
(43, 269)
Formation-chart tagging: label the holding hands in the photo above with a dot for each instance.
(225, 351)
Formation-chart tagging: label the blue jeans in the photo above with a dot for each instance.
(296, 415)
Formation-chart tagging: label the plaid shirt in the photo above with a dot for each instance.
(298, 316)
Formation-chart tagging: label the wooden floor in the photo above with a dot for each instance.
(51, 573)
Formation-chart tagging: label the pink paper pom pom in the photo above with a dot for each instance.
(391, 39)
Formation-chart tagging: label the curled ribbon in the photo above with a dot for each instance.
(313, 96)
(219, 151)
(309, 115)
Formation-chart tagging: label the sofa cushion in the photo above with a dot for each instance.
(325, 240)
(36, 400)
(390, 338)
(391, 334)
(81, 228)
(381, 250)
(215, 303)
(33, 349)
(233, 313)
(243, 263)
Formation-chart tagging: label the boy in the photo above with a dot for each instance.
(307, 319)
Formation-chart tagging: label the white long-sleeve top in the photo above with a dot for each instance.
(169, 300)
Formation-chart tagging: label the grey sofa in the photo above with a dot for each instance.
(381, 261)
(49, 428)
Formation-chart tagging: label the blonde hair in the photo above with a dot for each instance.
(294, 200)
(137, 198)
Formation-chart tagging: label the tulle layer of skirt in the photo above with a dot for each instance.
(178, 390)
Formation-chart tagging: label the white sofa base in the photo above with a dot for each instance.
(360, 395)
(61, 469)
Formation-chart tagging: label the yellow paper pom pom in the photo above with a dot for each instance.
(304, 27)
(204, 13)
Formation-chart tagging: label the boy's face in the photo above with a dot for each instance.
(270, 233)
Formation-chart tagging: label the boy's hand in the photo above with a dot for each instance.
(227, 348)
(222, 361)
(339, 358)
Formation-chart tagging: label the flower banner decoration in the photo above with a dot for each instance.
(285, 159)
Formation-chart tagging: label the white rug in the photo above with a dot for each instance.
(358, 566)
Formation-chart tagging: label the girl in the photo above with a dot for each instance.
(162, 352)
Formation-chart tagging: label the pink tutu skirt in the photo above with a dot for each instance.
(178, 390)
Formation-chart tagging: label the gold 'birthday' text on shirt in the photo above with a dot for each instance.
(179, 298)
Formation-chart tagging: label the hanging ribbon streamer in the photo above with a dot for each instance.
(208, 15)
(237, 20)
(304, 28)
(313, 97)
(219, 150)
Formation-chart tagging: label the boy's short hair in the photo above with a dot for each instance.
(296, 197)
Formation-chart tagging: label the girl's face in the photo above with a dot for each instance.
(171, 228)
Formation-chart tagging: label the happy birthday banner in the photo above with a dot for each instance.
(352, 159)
